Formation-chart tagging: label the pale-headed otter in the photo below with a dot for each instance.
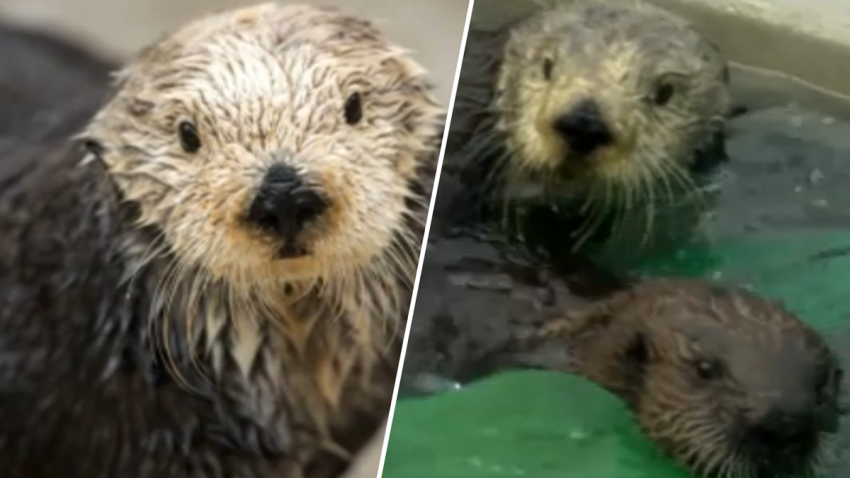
(728, 383)
(606, 111)
(219, 288)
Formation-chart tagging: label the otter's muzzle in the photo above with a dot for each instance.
(584, 128)
(284, 205)
(782, 430)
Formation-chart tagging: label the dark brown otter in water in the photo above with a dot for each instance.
(728, 383)
(219, 287)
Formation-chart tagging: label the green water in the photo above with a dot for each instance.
(781, 228)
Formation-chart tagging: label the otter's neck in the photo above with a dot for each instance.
(336, 341)
(596, 344)
(317, 338)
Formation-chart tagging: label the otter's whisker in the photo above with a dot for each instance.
(646, 179)
(718, 462)
(622, 206)
(662, 180)
(156, 248)
(689, 185)
(171, 284)
(194, 334)
(587, 228)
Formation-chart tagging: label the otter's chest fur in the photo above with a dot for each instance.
(87, 391)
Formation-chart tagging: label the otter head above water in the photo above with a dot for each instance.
(609, 103)
(726, 382)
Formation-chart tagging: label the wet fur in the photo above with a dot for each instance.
(145, 331)
(510, 161)
(644, 344)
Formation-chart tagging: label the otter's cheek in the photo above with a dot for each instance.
(224, 190)
(209, 214)
(370, 210)
(548, 150)
(339, 190)
(205, 229)
(529, 147)
(624, 162)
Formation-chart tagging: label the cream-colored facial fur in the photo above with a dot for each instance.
(261, 84)
(269, 80)
(617, 54)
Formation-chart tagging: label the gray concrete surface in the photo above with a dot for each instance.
(431, 28)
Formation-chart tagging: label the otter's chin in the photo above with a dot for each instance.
(778, 466)
(768, 461)
(291, 251)
(749, 459)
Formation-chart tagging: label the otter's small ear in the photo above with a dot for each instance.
(712, 155)
(738, 109)
(138, 106)
(93, 147)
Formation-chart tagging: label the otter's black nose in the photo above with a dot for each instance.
(284, 203)
(584, 128)
(782, 430)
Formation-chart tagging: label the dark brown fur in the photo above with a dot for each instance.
(706, 370)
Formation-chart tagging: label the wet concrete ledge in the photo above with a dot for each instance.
(807, 42)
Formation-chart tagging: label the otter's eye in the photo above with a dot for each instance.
(189, 139)
(353, 109)
(548, 64)
(707, 370)
(663, 93)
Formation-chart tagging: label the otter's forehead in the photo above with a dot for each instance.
(273, 64)
(683, 303)
(751, 333)
(231, 73)
(262, 49)
(790, 349)
(604, 32)
(271, 25)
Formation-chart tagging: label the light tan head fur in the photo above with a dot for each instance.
(264, 81)
(263, 85)
(624, 56)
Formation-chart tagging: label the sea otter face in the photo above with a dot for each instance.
(600, 93)
(279, 143)
(727, 383)
(732, 385)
